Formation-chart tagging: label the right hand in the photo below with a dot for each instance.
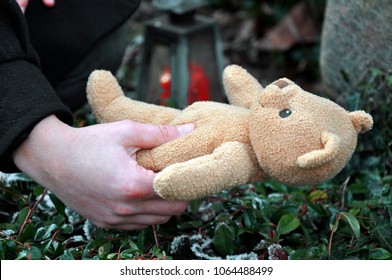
(94, 171)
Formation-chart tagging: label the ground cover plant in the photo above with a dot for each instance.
(349, 217)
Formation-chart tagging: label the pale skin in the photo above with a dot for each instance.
(93, 170)
(24, 3)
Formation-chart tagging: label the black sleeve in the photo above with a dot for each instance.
(64, 34)
(26, 97)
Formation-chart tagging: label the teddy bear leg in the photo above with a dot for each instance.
(229, 165)
(109, 104)
(192, 145)
(127, 108)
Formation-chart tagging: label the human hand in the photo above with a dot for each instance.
(93, 170)
(23, 3)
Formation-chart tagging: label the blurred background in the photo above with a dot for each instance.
(271, 39)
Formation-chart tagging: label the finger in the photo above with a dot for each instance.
(164, 207)
(138, 215)
(154, 207)
(126, 226)
(136, 222)
(140, 185)
(147, 220)
(147, 136)
(49, 3)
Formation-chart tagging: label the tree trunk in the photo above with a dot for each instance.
(357, 35)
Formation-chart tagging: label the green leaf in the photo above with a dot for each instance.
(22, 255)
(2, 251)
(190, 224)
(67, 255)
(58, 248)
(287, 223)
(389, 81)
(380, 254)
(382, 230)
(46, 245)
(34, 253)
(224, 239)
(45, 232)
(249, 217)
(285, 210)
(365, 215)
(112, 256)
(310, 253)
(194, 206)
(11, 245)
(38, 190)
(22, 215)
(317, 195)
(134, 247)
(67, 228)
(144, 237)
(104, 250)
(60, 206)
(28, 233)
(353, 223)
(126, 254)
(277, 187)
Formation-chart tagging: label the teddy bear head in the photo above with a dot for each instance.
(300, 138)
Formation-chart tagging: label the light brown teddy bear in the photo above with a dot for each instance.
(280, 132)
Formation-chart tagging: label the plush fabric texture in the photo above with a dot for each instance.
(280, 132)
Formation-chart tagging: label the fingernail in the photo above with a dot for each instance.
(185, 128)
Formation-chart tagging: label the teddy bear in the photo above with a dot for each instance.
(280, 132)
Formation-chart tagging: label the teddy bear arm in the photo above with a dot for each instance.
(229, 165)
(323, 156)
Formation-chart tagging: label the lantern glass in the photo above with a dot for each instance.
(157, 86)
(203, 54)
(181, 62)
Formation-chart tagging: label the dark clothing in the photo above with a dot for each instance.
(68, 32)
(107, 54)
(62, 35)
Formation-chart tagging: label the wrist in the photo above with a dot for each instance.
(34, 154)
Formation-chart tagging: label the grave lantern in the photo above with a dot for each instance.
(182, 60)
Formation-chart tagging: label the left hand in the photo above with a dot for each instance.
(23, 3)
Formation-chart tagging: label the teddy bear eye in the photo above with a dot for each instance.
(285, 113)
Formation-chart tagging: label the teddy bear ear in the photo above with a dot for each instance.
(328, 153)
(282, 83)
(361, 120)
(241, 87)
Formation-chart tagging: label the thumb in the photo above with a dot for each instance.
(148, 136)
